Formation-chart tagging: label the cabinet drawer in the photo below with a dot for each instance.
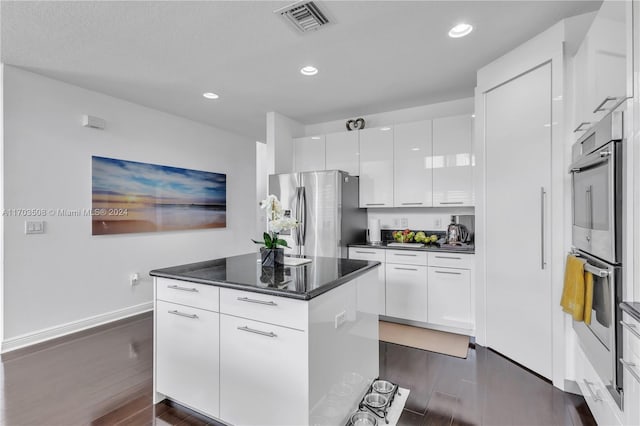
(265, 308)
(451, 260)
(631, 332)
(600, 402)
(366, 254)
(407, 257)
(186, 293)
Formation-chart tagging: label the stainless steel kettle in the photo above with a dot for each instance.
(458, 234)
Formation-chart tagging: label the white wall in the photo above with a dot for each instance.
(280, 133)
(67, 279)
(406, 115)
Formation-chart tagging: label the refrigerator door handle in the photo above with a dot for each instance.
(303, 216)
(296, 231)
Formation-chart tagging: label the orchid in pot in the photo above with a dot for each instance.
(278, 222)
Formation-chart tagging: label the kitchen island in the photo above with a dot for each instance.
(294, 345)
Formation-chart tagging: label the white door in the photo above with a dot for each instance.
(412, 164)
(343, 152)
(452, 161)
(376, 167)
(518, 174)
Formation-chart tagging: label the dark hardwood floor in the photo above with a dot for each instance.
(103, 377)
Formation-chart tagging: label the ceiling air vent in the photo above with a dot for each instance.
(305, 16)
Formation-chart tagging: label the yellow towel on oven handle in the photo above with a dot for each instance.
(573, 293)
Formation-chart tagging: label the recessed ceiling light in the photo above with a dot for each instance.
(308, 70)
(210, 95)
(460, 30)
(384, 129)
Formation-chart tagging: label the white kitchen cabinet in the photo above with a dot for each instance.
(373, 255)
(602, 65)
(343, 152)
(263, 370)
(376, 167)
(187, 356)
(309, 154)
(452, 161)
(412, 181)
(449, 297)
(631, 365)
(406, 291)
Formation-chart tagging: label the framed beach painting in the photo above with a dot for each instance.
(130, 197)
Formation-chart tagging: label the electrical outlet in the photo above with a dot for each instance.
(34, 227)
(437, 223)
(341, 318)
(404, 222)
(396, 223)
(134, 279)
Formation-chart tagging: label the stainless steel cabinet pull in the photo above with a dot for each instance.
(630, 367)
(411, 204)
(607, 99)
(177, 287)
(579, 128)
(406, 269)
(451, 202)
(260, 302)
(595, 395)
(182, 314)
(448, 257)
(374, 204)
(405, 254)
(631, 328)
(542, 194)
(366, 252)
(446, 272)
(262, 333)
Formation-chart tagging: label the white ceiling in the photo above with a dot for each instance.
(376, 55)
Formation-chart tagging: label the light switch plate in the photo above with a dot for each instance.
(34, 227)
(404, 222)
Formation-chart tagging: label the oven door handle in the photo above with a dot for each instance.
(590, 161)
(602, 273)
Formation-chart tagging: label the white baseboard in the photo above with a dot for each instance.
(72, 327)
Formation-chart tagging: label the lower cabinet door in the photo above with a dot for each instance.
(406, 291)
(263, 380)
(450, 297)
(187, 356)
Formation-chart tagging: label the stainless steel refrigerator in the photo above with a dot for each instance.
(325, 203)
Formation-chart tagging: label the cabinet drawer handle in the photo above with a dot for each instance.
(182, 314)
(177, 287)
(607, 99)
(451, 202)
(579, 128)
(405, 254)
(632, 328)
(405, 269)
(375, 204)
(411, 204)
(366, 252)
(630, 367)
(448, 257)
(262, 333)
(595, 395)
(260, 302)
(447, 272)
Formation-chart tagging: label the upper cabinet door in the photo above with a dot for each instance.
(452, 161)
(376, 167)
(343, 151)
(412, 164)
(308, 154)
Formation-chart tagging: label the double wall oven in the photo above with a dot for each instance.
(596, 175)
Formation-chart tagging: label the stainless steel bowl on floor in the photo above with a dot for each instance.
(363, 418)
(375, 400)
(382, 386)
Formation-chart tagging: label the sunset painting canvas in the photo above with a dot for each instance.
(129, 196)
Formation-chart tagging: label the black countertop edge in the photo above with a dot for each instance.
(632, 308)
(271, 291)
(434, 249)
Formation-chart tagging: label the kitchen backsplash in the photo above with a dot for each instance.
(435, 218)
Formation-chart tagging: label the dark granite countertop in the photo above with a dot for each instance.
(632, 308)
(466, 249)
(244, 272)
